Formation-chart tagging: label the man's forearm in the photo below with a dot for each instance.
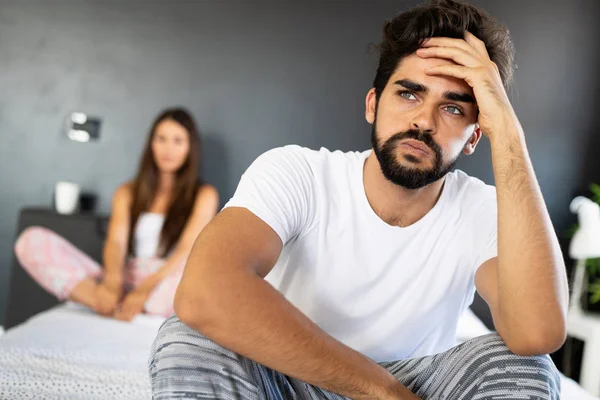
(532, 286)
(244, 313)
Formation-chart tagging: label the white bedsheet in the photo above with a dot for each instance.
(68, 352)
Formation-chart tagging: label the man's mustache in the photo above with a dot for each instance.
(416, 134)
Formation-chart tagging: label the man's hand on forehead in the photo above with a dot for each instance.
(473, 64)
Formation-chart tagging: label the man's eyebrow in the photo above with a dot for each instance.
(410, 85)
(462, 97)
(448, 95)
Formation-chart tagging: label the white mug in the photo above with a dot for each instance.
(66, 197)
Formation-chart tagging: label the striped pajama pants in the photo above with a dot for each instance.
(186, 365)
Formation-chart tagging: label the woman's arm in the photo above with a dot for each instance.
(205, 208)
(115, 245)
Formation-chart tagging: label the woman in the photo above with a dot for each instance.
(154, 222)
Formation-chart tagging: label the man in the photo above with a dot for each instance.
(333, 274)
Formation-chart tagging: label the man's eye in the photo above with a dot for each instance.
(454, 110)
(407, 95)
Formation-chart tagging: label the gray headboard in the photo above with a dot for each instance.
(86, 231)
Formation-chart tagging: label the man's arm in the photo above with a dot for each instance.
(223, 295)
(526, 286)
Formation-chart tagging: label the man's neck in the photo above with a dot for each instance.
(394, 204)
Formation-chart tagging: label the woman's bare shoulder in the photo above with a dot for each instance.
(207, 192)
(124, 193)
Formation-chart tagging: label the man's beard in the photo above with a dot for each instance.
(406, 176)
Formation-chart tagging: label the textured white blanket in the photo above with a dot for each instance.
(71, 353)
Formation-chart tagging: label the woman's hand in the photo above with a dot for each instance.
(132, 305)
(107, 299)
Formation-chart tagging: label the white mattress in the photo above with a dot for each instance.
(68, 352)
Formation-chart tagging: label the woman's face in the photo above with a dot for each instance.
(170, 146)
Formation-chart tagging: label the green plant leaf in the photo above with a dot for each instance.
(593, 265)
(594, 298)
(569, 233)
(594, 291)
(595, 189)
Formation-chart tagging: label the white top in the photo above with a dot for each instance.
(147, 235)
(388, 292)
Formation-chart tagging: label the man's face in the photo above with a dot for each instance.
(421, 123)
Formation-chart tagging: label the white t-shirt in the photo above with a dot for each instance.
(388, 292)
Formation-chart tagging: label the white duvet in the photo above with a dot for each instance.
(70, 353)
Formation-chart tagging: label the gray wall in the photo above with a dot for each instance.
(256, 74)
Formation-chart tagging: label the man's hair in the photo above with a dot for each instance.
(404, 34)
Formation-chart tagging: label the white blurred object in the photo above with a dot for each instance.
(584, 245)
(586, 241)
(586, 327)
(66, 197)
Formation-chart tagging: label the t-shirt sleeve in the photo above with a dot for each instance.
(486, 240)
(279, 189)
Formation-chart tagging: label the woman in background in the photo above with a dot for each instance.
(153, 224)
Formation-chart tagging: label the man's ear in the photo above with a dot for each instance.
(370, 106)
(472, 143)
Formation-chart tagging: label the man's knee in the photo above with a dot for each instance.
(184, 361)
(501, 371)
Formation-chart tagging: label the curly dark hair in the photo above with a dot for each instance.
(405, 33)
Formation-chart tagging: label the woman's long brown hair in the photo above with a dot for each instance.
(186, 185)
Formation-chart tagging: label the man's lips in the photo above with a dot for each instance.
(416, 145)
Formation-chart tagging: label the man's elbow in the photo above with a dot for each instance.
(538, 342)
(193, 309)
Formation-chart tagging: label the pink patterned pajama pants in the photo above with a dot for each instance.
(58, 266)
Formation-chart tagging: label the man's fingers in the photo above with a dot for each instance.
(477, 44)
(456, 71)
(457, 55)
(470, 44)
(449, 42)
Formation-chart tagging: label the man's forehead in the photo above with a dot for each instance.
(413, 68)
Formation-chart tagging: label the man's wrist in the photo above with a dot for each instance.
(390, 389)
(507, 135)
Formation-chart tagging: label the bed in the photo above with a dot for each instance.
(65, 351)
(68, 352)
